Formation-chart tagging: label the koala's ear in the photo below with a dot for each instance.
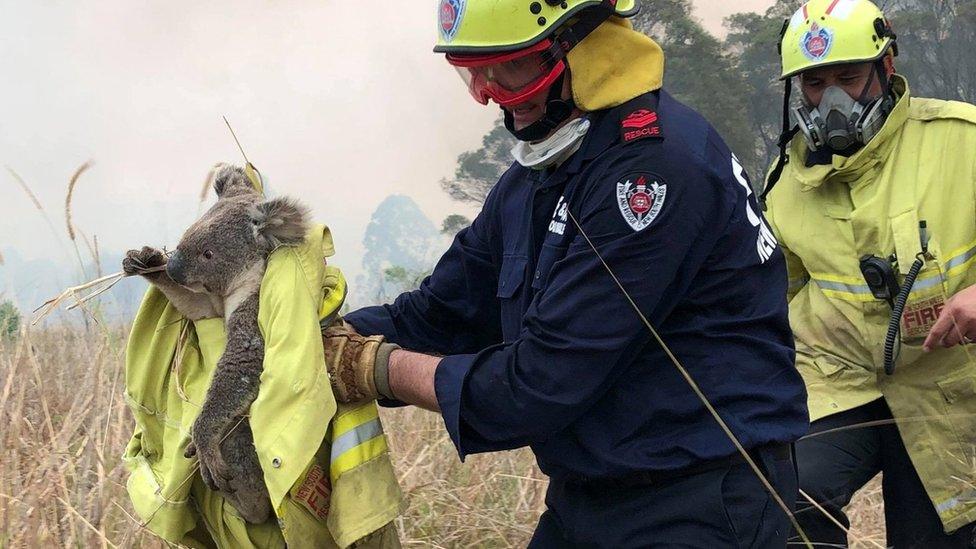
(231, 181)
(279, 222)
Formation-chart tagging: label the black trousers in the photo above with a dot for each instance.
(725, 506)
(833, 466)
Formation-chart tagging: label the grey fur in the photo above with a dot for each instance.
(216, 271)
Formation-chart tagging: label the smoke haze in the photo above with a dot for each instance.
(337, 103)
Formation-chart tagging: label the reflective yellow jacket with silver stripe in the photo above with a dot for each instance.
(827, 217)
(326, 466)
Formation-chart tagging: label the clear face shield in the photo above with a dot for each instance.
(510, 78)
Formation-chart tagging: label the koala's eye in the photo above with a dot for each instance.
(208, 254)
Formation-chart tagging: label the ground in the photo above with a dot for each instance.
(64, 424)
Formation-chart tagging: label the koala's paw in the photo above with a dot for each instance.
(144, 261)
(214, 470)
(217, 475)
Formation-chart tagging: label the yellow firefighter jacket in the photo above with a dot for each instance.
(327, 467)
(922, 166)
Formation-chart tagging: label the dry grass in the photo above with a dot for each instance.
(67, 214)
(26, 188)
(867, 515)
(65, 424)
(70, 194)
(64, 428)
(37, 204)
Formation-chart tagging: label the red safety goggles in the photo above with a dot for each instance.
(510, 78)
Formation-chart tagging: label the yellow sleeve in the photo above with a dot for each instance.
(290, 416)
(797, 273)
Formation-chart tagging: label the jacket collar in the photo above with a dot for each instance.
(850, 169)
(607, 127)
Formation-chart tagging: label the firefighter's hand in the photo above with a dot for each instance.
(957, 322)
(354, 362)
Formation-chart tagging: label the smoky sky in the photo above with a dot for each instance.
(339, 103)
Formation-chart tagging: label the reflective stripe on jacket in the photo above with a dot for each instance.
(920, 167)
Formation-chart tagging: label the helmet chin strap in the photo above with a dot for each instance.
(557, 111)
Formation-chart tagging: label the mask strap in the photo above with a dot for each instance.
(558, 110)
(784, 141)
(867, 86)
(884, 78)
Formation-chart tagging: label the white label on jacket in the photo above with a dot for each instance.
(766, 242)
(559, 217)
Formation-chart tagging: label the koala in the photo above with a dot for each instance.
(216, 271)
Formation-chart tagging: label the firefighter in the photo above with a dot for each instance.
(876, 200)
(521, 337)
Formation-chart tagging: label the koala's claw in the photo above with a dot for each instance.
(220, 474)
(137, 262)
(207, 478)
(214, 470)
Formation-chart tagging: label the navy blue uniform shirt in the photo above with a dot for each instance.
(542, 348)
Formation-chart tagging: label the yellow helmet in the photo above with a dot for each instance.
(481, 26)
(834, 32)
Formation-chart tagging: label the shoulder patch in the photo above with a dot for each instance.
(639, 123)
(640, 197)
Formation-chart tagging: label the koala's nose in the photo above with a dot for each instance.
(174, 268)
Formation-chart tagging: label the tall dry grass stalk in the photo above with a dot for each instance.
(65, 425)
(71, 192)
(23, 185)
(97, 257)
(92, 251)
(37, 204)
(67, 212)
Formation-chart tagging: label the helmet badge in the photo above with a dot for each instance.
(450, 14)
(816, 42)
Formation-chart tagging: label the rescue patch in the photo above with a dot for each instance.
(816, 43)
(315, 493)
(639, 124)
(919, 317)
(450, 14)
(640, 198)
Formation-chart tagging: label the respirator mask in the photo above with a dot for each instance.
(841, 123)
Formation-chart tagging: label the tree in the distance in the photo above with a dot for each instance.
(701, 74)
(9, 319)
(453, 224)
(735, 84)
(478, 170)
(936, 39)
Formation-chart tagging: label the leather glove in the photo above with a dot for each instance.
(358, 366)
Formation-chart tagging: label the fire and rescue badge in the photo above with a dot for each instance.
(816, 43)
(640, 200)
(450, 14)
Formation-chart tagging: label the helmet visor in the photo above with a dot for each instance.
(510, 78)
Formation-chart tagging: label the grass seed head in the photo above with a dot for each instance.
(71, 191)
